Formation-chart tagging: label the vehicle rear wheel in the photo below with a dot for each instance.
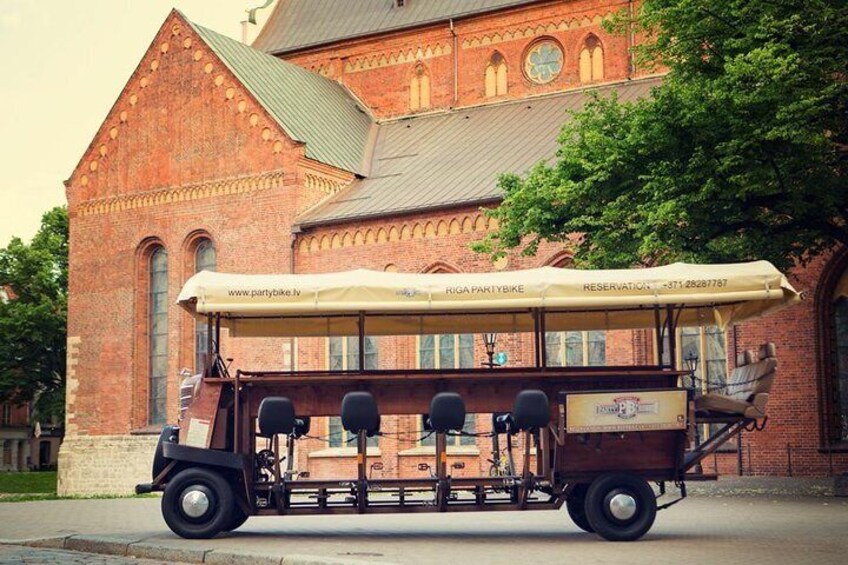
(198, 504)
(576, 506)
(620, 507)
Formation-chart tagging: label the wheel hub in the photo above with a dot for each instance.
(622, 506)
(194, 502)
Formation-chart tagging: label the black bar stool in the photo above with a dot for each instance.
(361, 417)
(447, 413)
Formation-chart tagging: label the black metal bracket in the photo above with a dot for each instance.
(682, 487)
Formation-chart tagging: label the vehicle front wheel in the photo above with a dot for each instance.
(237, 519)
(620, 507)
(198, 504)
(576, 506)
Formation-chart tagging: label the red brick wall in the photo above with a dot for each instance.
(182, 151)
(383, 83)
(793, 441)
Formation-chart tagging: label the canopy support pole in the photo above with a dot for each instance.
(237, 412)
(542, 340)
(361, 342)
(659, 336)
(672, 337)
(210, 345)
(217, 334)
(537, 346)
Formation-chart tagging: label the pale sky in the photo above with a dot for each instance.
(63, 64)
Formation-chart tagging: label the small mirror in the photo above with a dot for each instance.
(303, 475)
(458, 465)
(423, 467)
(376, 466)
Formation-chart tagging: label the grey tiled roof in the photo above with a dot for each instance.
(310, 108)
(454, 158)
(296, 24)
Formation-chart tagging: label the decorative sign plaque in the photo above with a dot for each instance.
(625, 411)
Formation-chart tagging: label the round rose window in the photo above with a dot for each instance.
(543, 61)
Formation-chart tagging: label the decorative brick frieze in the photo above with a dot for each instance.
(412, 55)
(517, 33)
(397, 231)
(223, 187)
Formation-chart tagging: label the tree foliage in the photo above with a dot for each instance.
(739, 154)
(33, 319)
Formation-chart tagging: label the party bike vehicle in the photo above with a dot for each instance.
(594, 439)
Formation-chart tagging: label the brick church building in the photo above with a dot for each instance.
(367, 138)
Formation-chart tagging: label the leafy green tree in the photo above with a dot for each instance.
(33, 319)
(739, 154)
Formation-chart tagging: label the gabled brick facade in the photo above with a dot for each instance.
(187, 154)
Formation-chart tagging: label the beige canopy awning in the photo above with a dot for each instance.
(406, 304)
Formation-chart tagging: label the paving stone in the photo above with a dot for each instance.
(19, 555)
(166, 552)
(321, 560)
(224, 557)
(52, 543)
(99, 544)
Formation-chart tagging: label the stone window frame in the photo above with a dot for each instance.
(420, 88)
(702, 334)
(591, 52)
(561, 260)
(494, 66)
(140, 408)
(188, 325)
(201, 328)
(586, 339)
(452, 441)
(823, 309)
(334, 431)
(526, 54)
(154, 417)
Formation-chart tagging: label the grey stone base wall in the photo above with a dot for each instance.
(92, 465)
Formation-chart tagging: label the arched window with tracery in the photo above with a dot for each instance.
(158, 336)
(419, 89)
(443, 352)
(833, 307)
(591, 60)
(205, 259)
(496, 76)
(577, 348)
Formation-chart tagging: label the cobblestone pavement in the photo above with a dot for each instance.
(19, 555)
(718, 528)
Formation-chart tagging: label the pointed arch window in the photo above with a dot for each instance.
(158, 336)
(574, 348)
(447, 351)
(496, 76)
(205, 259)
(419, 89)
(836, 383)
(591, 60)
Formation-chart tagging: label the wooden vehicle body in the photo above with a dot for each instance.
(607, 433)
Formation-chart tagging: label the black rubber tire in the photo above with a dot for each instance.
(237, 519)
(576, 506)
(218, 517)
(604, 523)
